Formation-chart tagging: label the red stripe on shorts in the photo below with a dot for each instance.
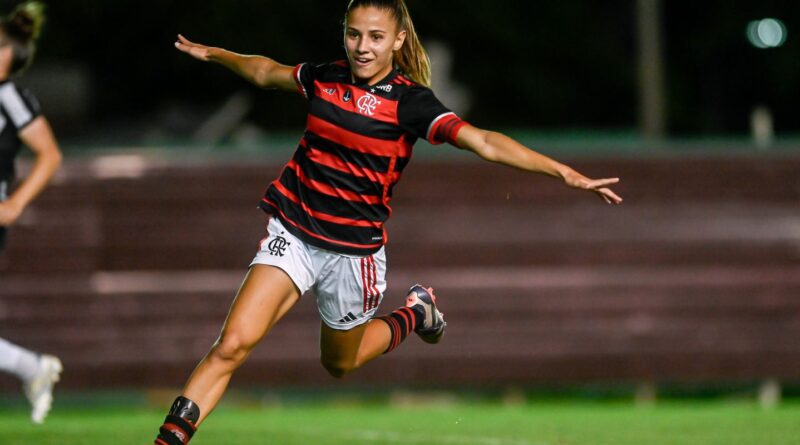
(369, 282)
(364, 284)
(376, 294)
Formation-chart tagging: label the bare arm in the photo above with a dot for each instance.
(259, 70)
(39, 138)
(496, 147)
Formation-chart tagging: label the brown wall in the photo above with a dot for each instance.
(695, 277)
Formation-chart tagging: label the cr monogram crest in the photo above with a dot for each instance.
(367, 104)
(277, 246)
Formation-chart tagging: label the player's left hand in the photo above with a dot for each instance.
(9, 213)
(196, 50)
(598, 186)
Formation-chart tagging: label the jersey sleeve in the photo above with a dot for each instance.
(20, 105)
(422, 115)
(304, 75)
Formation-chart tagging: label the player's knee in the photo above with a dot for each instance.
(337, 368)
(231, 349)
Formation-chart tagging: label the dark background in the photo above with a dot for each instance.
(131, 256)
(535, 65)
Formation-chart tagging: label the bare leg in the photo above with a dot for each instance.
(264, 298)
(345, 351)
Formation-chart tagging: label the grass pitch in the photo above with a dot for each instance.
(536, 423)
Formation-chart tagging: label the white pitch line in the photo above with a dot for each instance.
(384, 437)
(394, 437)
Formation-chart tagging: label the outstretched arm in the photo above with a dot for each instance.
(39, 138)
(259, 70)
(496, 147)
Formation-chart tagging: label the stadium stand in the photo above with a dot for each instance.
(694, 278)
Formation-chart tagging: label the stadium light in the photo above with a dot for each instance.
(766, 33)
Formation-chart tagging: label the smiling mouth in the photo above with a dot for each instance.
(360, 61)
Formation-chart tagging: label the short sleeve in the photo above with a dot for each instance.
(19, 104)
(422, 115)
(304, 75)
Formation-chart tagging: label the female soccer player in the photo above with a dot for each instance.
(22, 123)
(329, 205)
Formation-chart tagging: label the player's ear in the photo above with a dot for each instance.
(399, 40)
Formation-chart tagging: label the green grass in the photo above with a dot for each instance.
(537, 423)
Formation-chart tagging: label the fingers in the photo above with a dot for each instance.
(599, 187)
(597, 183)
(609, 196)
(195, 50)
(183, 43)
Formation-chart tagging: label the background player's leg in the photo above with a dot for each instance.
(264, 298)
(39, 373)
(17, 360)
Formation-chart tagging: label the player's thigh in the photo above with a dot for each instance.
(266, 295)
(340, 346)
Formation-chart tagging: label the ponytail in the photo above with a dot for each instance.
(411, 59)
(21, 29)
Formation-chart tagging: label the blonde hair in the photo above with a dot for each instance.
(22, 28)
(412, 59)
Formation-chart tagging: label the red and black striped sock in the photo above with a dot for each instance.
(179, 426)
(175, 431)
(402, 322)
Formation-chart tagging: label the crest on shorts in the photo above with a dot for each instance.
(278, 245)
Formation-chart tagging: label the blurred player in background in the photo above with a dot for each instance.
(22, 123)
(330, 203)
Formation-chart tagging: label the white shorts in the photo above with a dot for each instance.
(349, 289)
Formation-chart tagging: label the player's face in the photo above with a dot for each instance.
(371, 37)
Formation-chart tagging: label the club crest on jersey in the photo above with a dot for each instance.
(367, 104)
(347, 96)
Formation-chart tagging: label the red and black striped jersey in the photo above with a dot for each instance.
(334, 193)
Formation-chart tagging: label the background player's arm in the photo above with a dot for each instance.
(39, 138)
(499, 148)
(259, 70)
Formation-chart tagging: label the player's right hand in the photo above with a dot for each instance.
(196, 50)
(598, 186)
(9, 213)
